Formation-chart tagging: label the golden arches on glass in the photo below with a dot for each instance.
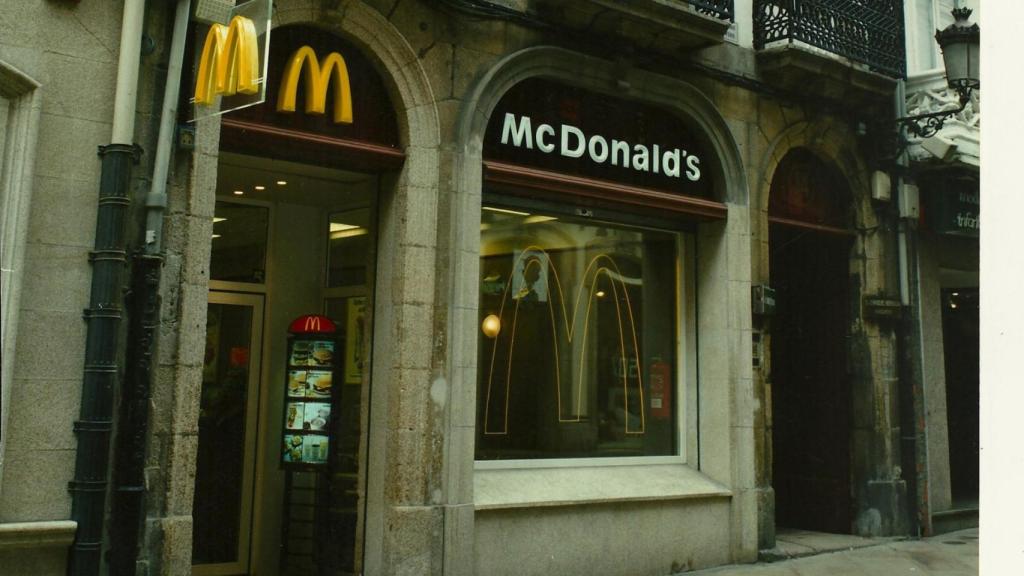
(598, 265)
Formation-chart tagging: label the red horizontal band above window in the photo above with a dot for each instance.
(534, 179)
(364, 154)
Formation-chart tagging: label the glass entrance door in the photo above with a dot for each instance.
(225, 461)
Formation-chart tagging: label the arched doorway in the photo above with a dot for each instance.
(810, 237)
(281, 474)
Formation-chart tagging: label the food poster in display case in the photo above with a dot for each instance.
(312, 367)
(355, 341)
(305, 451)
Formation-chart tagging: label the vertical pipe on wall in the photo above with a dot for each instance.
(126, 89)
(103, 316)
(913, 432)
(156, 200)
(133, 420)
(901, 162)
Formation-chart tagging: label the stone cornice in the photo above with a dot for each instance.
(47, 534)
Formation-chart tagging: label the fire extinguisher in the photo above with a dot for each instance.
(661, 388)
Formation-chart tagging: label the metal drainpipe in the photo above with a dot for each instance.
(133, 423)
(913, 431)
(103, 316)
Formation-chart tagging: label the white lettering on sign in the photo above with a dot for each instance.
(573, 143)
(968, 198)
(577, 150)
(518, 133)
(968, 220)
(542, 131)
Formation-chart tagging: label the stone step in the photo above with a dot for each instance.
(953, 520)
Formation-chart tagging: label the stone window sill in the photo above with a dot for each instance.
(53, 534)
(551, 487)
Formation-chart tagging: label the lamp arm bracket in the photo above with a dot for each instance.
(928, 125)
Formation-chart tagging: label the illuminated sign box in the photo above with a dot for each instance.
(231, 72)
(954, 209)
(563, 129)
(309, 407)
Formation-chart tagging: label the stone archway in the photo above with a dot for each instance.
(413, 194)
(809, 238)
(410, 193)
(878, 491)
(717, 243)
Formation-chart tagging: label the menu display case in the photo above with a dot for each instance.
(313, 370)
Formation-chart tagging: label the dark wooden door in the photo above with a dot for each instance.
(960, 338)
(810, 387)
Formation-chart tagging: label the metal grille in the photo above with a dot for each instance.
(865, 31)
(721, 9)
(214, 11)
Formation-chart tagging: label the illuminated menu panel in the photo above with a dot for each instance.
(309, 383)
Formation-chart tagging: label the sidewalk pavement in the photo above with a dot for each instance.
(815, 554)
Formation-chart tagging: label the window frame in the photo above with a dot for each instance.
(686, 393)
(235, 286)
(20, 95)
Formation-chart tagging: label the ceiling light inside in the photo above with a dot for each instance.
(218, 219)
(282, 183)
(349, 233)
(239, 192)
(260, 187)
(341, 227)
(537, 219)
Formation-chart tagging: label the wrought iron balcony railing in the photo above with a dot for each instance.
(721, 9)
(866, 31)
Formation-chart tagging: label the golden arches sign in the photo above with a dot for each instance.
(229, 63)
(318, 80)
(598, 265)
(312, 324)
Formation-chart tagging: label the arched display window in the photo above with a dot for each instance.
(589, 205)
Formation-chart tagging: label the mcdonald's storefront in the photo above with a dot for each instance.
(455, 288)
(494, 341)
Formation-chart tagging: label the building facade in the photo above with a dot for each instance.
(945, 170)
(580, 286)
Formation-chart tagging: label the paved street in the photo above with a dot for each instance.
(953, 554)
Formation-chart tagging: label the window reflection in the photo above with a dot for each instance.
(239, 244)
(349, 243)
(221, 444)
(578, 338)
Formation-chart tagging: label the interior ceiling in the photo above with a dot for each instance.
(306, 183)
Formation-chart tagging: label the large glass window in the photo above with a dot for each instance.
(239, 249)
(578, 352)
(349, 243)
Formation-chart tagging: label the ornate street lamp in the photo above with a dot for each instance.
(960, 43)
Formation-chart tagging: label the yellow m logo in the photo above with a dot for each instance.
(318, 79)
(230, 61)
(313, 324)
